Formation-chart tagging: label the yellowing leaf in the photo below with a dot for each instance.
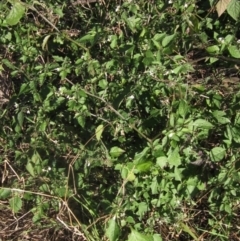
(99, 131)
(222, 6)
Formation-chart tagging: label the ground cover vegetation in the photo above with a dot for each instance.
(119, 120)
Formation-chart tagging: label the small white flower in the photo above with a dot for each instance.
(28, 111)
(16, 105)
(117, 8)
(221, 40)
(238, 41)
(131, 97)
(170, 1)
(185, 5)
(171, 135)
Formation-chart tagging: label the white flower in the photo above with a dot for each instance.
(117, 8)
(28, 111)
(170, 1)
(16, 105)
(238, 41)
(131, 97)
(221, 40)
(185, 5)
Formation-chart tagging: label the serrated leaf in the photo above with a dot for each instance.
(162, 161)
(167, 40)
(136, 236)
(116, 151)
(201, 123)
(217, 154)
(15, 204)
(234, 51)
(233, 9)
(99, 132)
(15, 14)
(174, 158)
(221, 6)
(113, 230)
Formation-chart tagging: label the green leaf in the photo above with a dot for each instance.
(234, 51)
(157, 237)
(30, 168)
(136, 236)
(219, 115)
(213, 49)
(113, 230)
(15, 203)
(99, 131)
(167, 40)
(233, 9)
(201, 123)
(116, 151)
(15, 14)
(162, 161)
(174, 158)
(183, 108)
(20, 118)
(217, 154)
(4, 193)
(144, 166)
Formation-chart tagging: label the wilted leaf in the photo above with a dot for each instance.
(221, 6)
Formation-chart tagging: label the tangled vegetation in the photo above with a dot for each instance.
(120, 120)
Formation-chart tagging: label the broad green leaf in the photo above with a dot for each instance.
(99, 131)
(213, 49)
(16, 13)
(130, 176)
(81, 121)
(157, 237)
(174, 158)
(167, 40)
(201, 123)
(116, 151)
(219, 115)
(113, 230)
(30, 168)
(144, 166)
(4, 193)
(233, 9)
(15, 203)
(217, 154)
(136, 236)
(183, 108)
(162, 161)
(234, 51)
